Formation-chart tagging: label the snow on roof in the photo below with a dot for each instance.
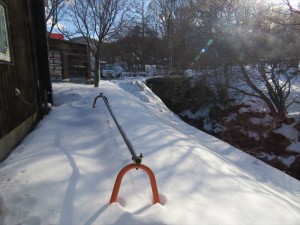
(64, 171)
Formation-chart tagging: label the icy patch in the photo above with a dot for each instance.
(266, 155)
(294, 147)
(243, 110)
(289, 132)
(257, 121)
(231, 117)
(253, 105)
(287, 161)
(202, 112)
(251, 134)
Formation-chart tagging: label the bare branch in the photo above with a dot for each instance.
(97, 21)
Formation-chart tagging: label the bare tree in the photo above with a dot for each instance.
(276, 78)
(55, 10)
(97, 21)
(291, 7)
(175, 21)
(141, 17)
(264, 51)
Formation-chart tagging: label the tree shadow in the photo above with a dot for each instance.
(93, 218)
(67, 208)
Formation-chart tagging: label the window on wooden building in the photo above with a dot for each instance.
(4, 42)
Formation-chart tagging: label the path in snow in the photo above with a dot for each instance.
(64, 171)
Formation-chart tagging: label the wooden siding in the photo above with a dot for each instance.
(68, 60)
(22, 73)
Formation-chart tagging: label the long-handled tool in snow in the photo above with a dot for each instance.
(137, 160)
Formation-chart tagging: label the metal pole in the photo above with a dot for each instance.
(136, 159)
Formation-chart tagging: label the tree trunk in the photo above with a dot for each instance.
(273, 110)
(97, 67)
(96, 73)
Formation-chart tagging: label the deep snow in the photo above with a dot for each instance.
(254, 130)
(64, 171)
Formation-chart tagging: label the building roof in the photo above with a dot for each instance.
(57, 36)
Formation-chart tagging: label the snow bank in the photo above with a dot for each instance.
(64, 171)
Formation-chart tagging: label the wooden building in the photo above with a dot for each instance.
(68, 60)
(25, 87)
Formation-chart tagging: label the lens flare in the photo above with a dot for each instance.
(209, 42)
(204, 49)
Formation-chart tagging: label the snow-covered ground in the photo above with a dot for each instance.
(250, 125)
(64, 171)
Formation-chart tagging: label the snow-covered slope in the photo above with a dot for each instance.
(64, 171)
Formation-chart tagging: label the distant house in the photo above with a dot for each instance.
(25, 86)
(93, 42)
(83, 40)
(68, 60)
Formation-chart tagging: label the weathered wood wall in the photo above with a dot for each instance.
(21, 112)
(68, 59)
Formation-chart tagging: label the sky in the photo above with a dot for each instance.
(294, 3)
